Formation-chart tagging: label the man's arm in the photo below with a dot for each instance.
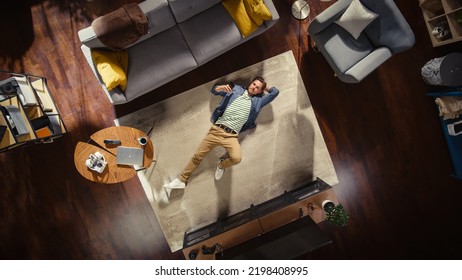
(221, 90)
(271, 94)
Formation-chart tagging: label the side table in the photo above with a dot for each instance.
(300, 9)
(113, 173)
(128, 137)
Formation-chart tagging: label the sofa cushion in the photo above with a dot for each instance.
(112, 67)
(247, 14)
(210, 33)
(356, 18)
(185, 9)
(159, 15)
(157, 61)
(391, 28)
(340, 49)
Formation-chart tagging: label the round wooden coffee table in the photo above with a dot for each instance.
(113, 173)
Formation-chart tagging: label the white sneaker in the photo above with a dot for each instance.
(175, 184)
(219, 172)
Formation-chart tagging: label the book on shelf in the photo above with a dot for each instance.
(43, 132)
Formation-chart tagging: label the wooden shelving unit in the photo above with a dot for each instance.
(28, 112)
(446, 11)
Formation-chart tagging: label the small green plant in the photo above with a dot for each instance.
(337, 215)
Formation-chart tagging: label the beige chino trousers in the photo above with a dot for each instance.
(214, 138)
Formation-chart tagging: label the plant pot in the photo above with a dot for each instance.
(335, 214)
(327, 205)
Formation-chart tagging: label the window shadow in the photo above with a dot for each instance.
(16, 29)
(17, 19)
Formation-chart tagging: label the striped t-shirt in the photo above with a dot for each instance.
(237, 112)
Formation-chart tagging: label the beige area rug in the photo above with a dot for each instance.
(284, 151)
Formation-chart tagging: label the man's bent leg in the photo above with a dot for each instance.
(232, 146)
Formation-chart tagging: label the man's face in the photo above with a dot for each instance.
(255, 88)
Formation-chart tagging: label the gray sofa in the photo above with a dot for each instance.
(352, 60)
(183, 35)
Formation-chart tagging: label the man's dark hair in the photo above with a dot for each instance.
(260, 79)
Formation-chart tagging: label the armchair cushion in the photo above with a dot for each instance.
(341, 50)
(356, 18)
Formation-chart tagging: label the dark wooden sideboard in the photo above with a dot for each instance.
(280, 220)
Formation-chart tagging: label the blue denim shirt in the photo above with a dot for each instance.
(258, 102)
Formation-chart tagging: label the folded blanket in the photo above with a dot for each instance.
(450, 107)
(122, 27)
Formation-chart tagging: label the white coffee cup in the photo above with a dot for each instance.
(143, 141)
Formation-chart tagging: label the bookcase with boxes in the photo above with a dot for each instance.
(28, 112)
(443, 19)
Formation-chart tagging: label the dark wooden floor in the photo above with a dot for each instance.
(383, 136)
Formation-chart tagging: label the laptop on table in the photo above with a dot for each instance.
(130, 155)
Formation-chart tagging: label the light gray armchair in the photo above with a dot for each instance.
(353, 59)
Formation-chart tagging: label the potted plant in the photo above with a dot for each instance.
(335, 214)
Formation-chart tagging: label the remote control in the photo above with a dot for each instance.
(111, 142)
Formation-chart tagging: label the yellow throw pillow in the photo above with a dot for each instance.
(257, 10)
(112, 67)
(247, 14)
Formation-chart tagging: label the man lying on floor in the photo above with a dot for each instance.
(236, 113)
